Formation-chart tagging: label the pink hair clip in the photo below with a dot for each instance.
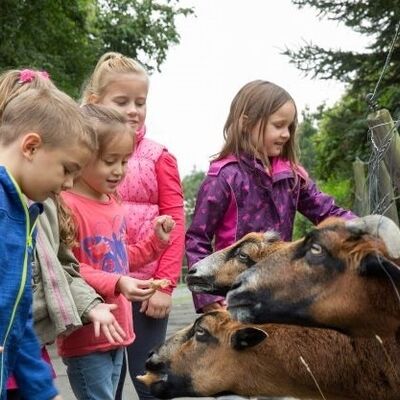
(28, 75)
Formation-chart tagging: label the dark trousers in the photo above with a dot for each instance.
(150, 333)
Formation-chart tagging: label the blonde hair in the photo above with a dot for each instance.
(109, 64)
(11, 85)
(106, 123)
(48, 112)
(254, 103)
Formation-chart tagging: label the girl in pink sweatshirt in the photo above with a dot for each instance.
(93, 363)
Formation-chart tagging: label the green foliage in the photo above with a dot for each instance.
(305, 135)
(66, 37)
(343, 133)
(121, 25)
(374, 18)
(340, 190)
(45, 34)
(342, 136)
(191, 184)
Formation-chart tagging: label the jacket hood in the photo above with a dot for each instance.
(140, 133)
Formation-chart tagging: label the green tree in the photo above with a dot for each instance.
(66, 37)
(377, 19)
(51, 35)
(191, 184)
(306, 139)
(343, 133)
(143, 29)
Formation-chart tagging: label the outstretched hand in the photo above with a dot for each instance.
(163, 226)
(135, 289)
(104, 321)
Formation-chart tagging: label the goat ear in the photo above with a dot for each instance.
(375, 265)
(247, 337)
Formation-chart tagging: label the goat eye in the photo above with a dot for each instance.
(316, 249)
(200, 331)
(243, 257)
(201, 334)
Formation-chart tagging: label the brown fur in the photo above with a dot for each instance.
(332, 288)
(217, 272)
(201, 361)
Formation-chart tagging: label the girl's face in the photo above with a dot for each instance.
(276, 131)
(105, 171)
(127, 93)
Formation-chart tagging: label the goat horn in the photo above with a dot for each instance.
(379, 226)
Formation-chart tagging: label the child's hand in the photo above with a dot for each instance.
(163, 225)
(103, 319)
(135, 289)
(159, 306)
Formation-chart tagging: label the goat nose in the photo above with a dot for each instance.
(153, 363)
(192, 271)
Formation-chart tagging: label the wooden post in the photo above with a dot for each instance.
(361, 198)
(385, 134)
(386, 138)
(385, 188)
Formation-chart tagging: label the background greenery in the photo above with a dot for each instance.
(66, 37)
(331, 138)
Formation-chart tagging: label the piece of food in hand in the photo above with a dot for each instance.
(159, 283)
(147, 378)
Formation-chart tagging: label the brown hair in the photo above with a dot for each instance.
(255, 102)
(66, 223)
(48, 112)
(12, 84)
(106, 122)
(109, 64)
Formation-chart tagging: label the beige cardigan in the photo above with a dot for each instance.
(61, 298)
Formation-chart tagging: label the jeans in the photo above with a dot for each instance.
(95, 376)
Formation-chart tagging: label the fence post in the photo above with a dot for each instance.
(385, 135)
(386, 138)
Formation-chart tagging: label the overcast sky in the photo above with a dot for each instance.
(227, 44)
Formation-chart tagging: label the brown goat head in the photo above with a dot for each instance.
(340, 276)
(216, 273)
(217, 355)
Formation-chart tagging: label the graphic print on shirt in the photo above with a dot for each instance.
(106, 248)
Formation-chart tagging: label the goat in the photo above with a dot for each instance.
(216, 273)
(342, 275)
(218, 355)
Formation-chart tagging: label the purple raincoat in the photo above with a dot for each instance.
(238, 197)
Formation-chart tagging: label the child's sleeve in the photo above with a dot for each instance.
(85, 297)
(145, 251)
(212, 202)
(170, 202)
(316, 205)
(32, 373)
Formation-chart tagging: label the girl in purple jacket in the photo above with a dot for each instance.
(255, 183)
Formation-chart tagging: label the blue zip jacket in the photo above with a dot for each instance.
(21, 354)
